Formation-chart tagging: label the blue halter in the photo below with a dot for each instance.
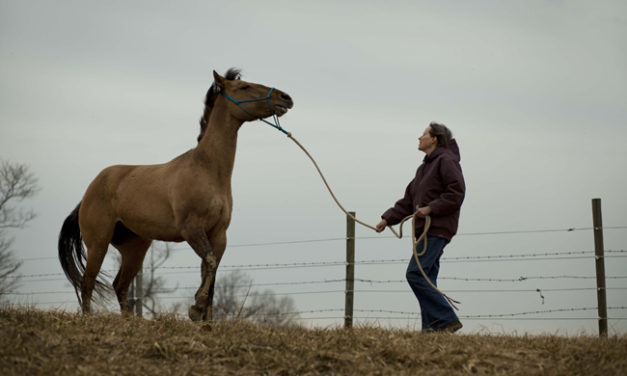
(276, 124)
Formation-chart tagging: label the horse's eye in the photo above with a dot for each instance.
(245, 87)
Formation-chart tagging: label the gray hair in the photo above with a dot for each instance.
(443, 134)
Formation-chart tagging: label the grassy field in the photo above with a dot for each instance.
(36, 342)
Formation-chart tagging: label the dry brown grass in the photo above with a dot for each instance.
(36, 342)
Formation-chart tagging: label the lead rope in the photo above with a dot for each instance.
(399, 235)
(277, 125)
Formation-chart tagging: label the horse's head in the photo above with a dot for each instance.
(249, 101)
(245, 101)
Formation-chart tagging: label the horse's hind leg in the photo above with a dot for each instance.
(133, 252)
(95, 256)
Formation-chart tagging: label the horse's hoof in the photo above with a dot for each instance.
(195, 314)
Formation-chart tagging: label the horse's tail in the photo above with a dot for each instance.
(72, 254)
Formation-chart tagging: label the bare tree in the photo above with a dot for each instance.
(16, 185)
(8, 266)
(154, 285)
(234, 299)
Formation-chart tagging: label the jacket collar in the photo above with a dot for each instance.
(452, 148)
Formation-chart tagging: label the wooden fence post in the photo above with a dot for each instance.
(350, 271)
(597, 223)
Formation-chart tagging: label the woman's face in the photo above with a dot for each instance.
(427, 142)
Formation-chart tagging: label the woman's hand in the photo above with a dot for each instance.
(424, 211)
(382, 225)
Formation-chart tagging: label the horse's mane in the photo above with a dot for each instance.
(212, 93)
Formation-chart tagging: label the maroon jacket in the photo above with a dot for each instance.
(439, 183)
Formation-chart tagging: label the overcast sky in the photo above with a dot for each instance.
(534, 91)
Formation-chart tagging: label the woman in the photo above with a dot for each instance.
(438, 191)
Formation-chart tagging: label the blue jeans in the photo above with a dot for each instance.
(434, 309)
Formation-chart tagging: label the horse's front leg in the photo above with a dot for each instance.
(209, 263)
(210, 251)
(202, 309)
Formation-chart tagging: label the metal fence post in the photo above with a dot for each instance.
(597, 223)
(139, 293)
(131, 297)
(350, 271)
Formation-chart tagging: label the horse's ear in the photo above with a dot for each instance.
(219, 80)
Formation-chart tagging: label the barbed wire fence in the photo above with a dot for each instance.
(568, 255)
(170, 270)
(386, 286)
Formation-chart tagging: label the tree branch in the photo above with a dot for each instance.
(16, 185)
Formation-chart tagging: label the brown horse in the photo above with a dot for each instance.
(187, 199)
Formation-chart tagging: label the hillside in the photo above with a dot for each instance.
(55, 343)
